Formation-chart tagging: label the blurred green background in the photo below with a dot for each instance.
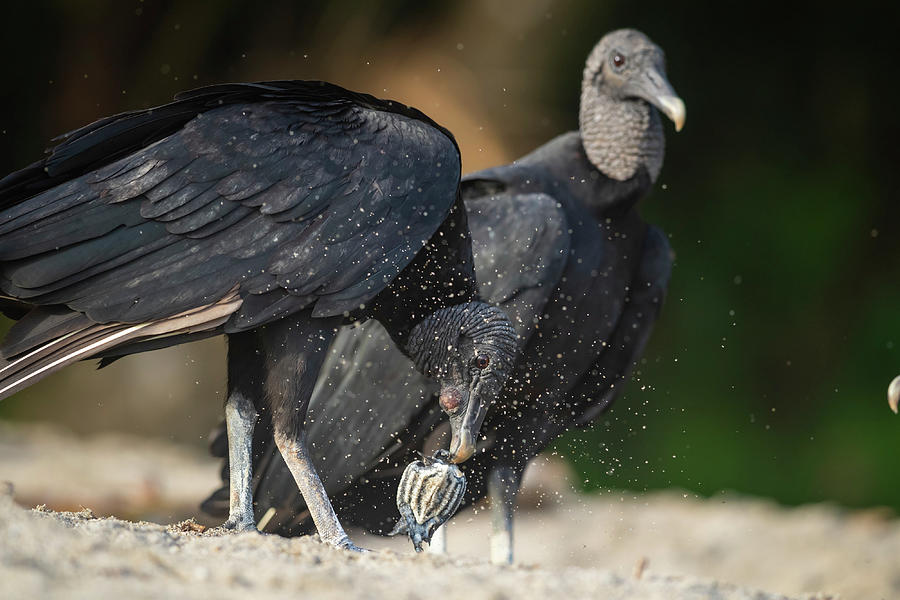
(767, 372)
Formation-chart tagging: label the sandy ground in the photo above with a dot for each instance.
(568, 545)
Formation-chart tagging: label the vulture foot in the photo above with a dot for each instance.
(503, 486)
(234, 526)
(346, 544)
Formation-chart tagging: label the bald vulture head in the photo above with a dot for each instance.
(623, 87)
(469, 350)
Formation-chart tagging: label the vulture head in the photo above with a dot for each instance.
(623, 87)
(470, 350)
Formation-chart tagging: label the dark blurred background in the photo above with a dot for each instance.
(767, 372)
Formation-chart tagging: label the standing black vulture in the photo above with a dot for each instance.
(560, 247)
(272, 212)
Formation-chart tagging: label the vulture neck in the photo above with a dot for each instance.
(561, 167)
(441, 276)
(621, 136)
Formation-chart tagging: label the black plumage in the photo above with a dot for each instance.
(372, 392)
(583, 294)
(560, 246)
(272, 212)
(251, 171)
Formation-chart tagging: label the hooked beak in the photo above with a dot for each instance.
(656, 89)
(465, 425)
(894, 394)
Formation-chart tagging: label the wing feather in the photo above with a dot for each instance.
(284, 189)
(246, 202)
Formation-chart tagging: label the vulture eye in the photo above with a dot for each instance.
(618, 60)
(482, 361)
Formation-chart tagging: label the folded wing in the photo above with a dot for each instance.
(269, 198)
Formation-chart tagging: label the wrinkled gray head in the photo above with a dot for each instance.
(469, 349)
(624, 83)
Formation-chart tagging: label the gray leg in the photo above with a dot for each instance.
(439, 438)
(240, 418)
(295, 349)
(503, 486)
(297, 459)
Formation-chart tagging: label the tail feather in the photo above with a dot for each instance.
(22, 370)
(39, 325)
(20, 373)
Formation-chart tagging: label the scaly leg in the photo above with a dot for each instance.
(294, 349)
(244, 385)
(503, 486)
(297, 459)
(240, 418)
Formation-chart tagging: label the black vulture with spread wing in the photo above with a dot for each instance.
(274, 213)
(560, 247)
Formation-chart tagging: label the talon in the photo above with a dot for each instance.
(346, 544)
(235, 526)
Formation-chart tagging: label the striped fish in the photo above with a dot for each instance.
(429, 493)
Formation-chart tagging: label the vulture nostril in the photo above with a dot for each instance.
(450, 400)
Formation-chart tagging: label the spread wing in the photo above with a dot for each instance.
(372, 391)
(257, 199)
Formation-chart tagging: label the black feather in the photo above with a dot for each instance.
(293, 193)
(268, 178)
(561, 249)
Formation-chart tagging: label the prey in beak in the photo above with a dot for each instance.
(429, 493)
(471, 369)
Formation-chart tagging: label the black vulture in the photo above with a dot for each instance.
(272, 212)
(560, 247)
